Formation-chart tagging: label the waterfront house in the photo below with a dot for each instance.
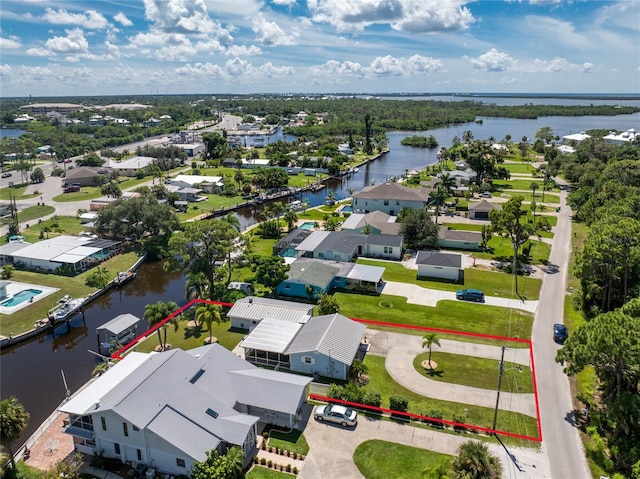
(208, 184)
(619, 139)
(347, 246)
(375, 222)
(459, 239)
(247, 312)
(323, 346)
(436, 264)
(389, 198)
(169, 409)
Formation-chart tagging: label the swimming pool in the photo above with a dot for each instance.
(307, 225)
(21, 297)
(289, 253)
(347, 209)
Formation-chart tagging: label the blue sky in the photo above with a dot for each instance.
(111, 47)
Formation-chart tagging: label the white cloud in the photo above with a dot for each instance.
(89, 19)
(74, 42)
(38, 52)
(10, 43)
(242, 50)
(37, 73)
(5, 70)
(180, 16)
(545, 2)
(200, 69)
(379, 67)
(122, 19)
(493, 61)
(284, 2)
(270, 34)
(588, 67)
(236, 69)
(402, 15)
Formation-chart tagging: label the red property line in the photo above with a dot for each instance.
(409, 415)
(118, 354)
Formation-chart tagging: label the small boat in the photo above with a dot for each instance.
(65, 299)
(123, 277)
(355, 170)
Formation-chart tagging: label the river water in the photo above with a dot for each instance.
(32, 371)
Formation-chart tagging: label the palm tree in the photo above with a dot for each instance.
(156, 313)
(448, 181)
(534, 187)
(428, 340)
(209, 313)
(233, 221)
(439, 470)
(358, 369)
(13, 420)
(196, 286)
(290, 217)
(474, 461)
(438, 197)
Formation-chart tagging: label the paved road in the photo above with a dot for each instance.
(561, 440)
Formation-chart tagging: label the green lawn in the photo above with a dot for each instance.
(527, 197)
(23, 320)
(492, 283)
(519, 168)
(32, 213)
(68, 225)
(474, 371)
(85, 193)
(451, 315)
(213, 202)
(377, 459)
(16, 192)
(380, 381)
(293, 441)
(522, 184)
(501, 249)
(262, 472)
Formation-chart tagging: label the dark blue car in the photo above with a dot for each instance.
(560, 333)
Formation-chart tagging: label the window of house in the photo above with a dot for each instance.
(139, 453)
(104, 423)
(307, 360)
(287, 286)
(386, 202)
(397, 203)
(180, 462)
(117, 447)
(135, 428)
(320, 255)
(125, 428)
(388, 250)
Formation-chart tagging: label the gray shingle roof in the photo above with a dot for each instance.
(459, 235)
(393, 191)
(332, 335)
(436, 258)
(314, 273)
(484, 205)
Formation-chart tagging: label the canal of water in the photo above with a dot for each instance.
(32, 371)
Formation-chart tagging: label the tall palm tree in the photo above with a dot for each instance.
(235, 224)
(474, 461)
(209, 313)
(13, 420)
(428, 340)
(290, 217)
(156, 313)
(448, 182)
(438, 197)
(196, 286)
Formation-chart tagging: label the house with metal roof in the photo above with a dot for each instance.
(480, 210)
(208, 184)
(131, 166)
(376, 222)
(436, 264)
(389, 198)
(325, 345)
(169, 409)
(459, 239)
(246, 313)
(323, 276)
(347, 246)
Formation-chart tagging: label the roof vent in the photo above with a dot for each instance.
(196, 376)
(212, 413)
(250, 300)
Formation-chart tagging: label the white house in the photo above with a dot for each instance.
(348, 245)
(389, 198)
(375, 222)
(621, 138)
(208, 184)
(435, 264)
(575, 137)
(131, 166)
(168, 409)
(247, 312)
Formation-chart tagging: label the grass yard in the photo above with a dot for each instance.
(85, 193)
(377, 459)
(520, 168)
(213, 202)
(522, 184)
(32, 213)
(317, 214)
(380, 381)
(262, 472)
(501, 249)
(492, 283)
(475, 372)
(16, 192)
(67, 225)
(549, 198)
(23, 320)
(451, 315)
(293, 441)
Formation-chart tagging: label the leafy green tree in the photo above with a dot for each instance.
(13, 420)
(610, 345)
(270, 270)
(368, 133)
(90, 160)
(358, 370)
(327, 304)
(510, 222)
(37, 176)
(428, 340)
(418, 229)
(23, 167)
(270, 178)
(438, 471)
(111, 189)
(474, 461)
(545, 134)
(216, 466)
(201, 248)
(155, 314)
(99, 278)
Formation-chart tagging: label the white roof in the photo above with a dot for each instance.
(363, 272)
(196, 179)
(83, 401)
(135, 162)
(51, 249)
(119, 323)
(576, 137)
(271, 335)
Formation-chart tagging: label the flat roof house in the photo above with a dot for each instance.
(169, 409)
(389, 198)
(325, 345)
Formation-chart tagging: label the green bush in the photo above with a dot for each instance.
(398, 403)
(371, 398)
(435, 414)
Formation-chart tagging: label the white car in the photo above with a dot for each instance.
(335, 413)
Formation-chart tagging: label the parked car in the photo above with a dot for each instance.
(71, 189)
(560, 333)
(470, 295)
(7, 175)
(335, 413)
(486, 194)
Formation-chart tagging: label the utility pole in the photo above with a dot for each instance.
(495, 413)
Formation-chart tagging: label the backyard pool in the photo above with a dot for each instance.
(307, 225)
(289, 253)
(21, 297)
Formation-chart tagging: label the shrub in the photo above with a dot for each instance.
(371, 398)
(288, 468)
(264, 445)
(399, 403)
(436, 414)
(263, 461)
(295, 470)
(461, 419)
(270, 464)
